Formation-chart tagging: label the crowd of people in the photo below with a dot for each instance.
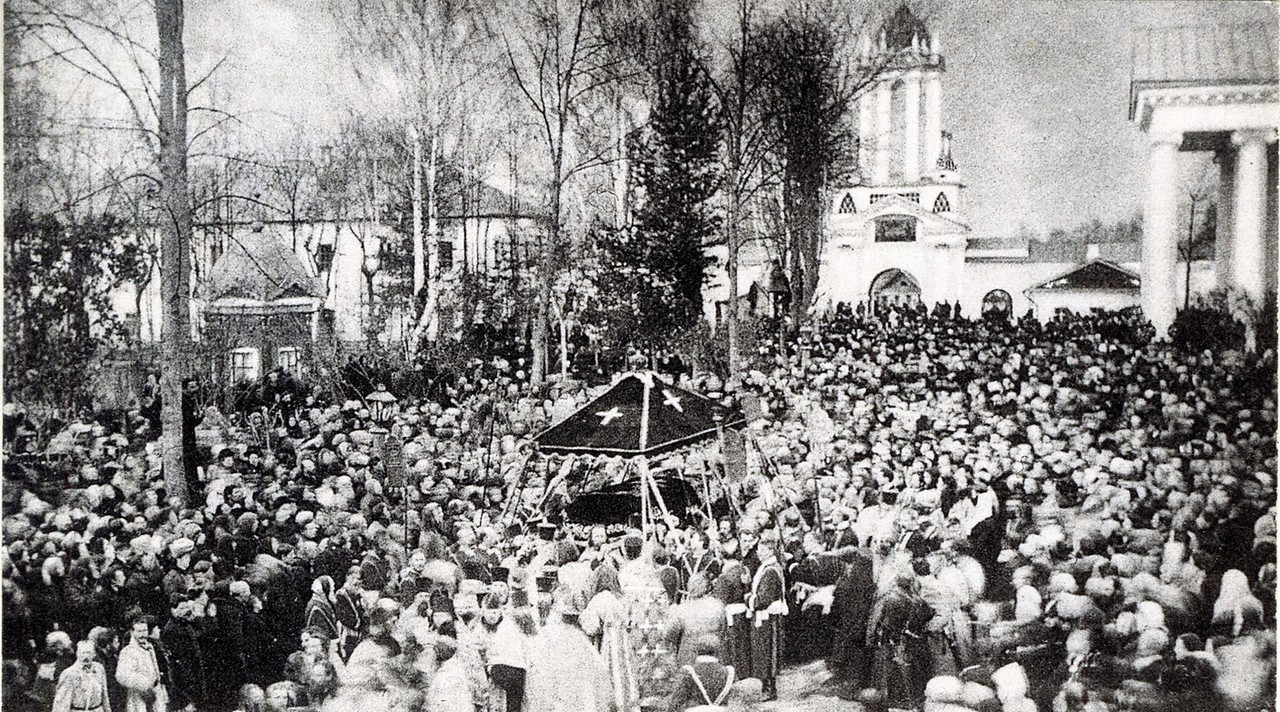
(951, 513)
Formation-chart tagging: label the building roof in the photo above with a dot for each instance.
(998, 243)
(1094, 275)
(1205, 54)
(1070, 250)
(261, 266)
(902, 27)
(481, 201)
(1202, 55)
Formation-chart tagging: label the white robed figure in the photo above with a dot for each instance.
(566, 672)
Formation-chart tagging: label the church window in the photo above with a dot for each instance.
(898, 228)
(941, 204)
(846, 205)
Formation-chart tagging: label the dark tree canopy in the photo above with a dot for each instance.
(677, 174)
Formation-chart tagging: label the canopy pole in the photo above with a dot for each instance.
(642, 468)
(706, 493)
(657, 493)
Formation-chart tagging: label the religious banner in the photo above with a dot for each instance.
(735, 456)
(393, 461)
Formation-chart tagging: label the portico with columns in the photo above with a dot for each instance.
(1212, 90)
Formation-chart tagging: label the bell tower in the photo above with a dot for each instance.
(901, 141)
(902, 213)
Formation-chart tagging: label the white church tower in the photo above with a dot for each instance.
(896, 233)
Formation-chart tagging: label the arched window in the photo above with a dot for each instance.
(846, 205)
(941, 204)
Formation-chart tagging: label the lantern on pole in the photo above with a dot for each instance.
(382, 406)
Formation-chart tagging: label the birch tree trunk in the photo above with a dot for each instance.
(433, 235)
(175, 273)
(419, 253)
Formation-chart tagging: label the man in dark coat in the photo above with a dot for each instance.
(731, 588)
(768, 605)
(896, 634)
(809, 630)
(350, 614)
(226, 648)
(850, 610)
(181, 641)
(373, 571)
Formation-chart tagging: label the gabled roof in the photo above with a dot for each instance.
(481, 200)
(1094, 275)
(260, 265)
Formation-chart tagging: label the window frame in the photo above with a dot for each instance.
(247, 373)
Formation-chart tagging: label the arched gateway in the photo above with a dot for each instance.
(894, 287)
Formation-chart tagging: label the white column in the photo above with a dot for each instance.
(911, 129)
(932, 120)
(866, 137)
(1249, 251)
(884, 131)
(1225, 238)
(1159, 233)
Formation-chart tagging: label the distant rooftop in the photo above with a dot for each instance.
(1201, 55)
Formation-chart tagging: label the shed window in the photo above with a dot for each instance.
(245, 363)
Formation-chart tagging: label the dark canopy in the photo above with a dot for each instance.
(640, 415)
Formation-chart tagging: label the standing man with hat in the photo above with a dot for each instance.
(83, 686)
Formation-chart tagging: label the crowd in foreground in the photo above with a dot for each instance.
(954, 514)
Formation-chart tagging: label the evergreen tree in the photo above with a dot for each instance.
(676, 171)
(807, 92)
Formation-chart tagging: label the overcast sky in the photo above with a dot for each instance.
(1036, 92)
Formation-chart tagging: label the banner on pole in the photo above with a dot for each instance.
(735, 456)
(393, 461)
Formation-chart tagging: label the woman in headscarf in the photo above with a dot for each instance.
(320, 612)
(604, 620)
(566, 673)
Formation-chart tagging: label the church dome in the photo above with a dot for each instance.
(902, 27)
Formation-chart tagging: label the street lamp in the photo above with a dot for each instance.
(382, 406)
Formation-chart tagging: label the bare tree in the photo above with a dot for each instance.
(809, 83)
(436, 50)
(744, 150)
(101, 40)
(557, 61)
